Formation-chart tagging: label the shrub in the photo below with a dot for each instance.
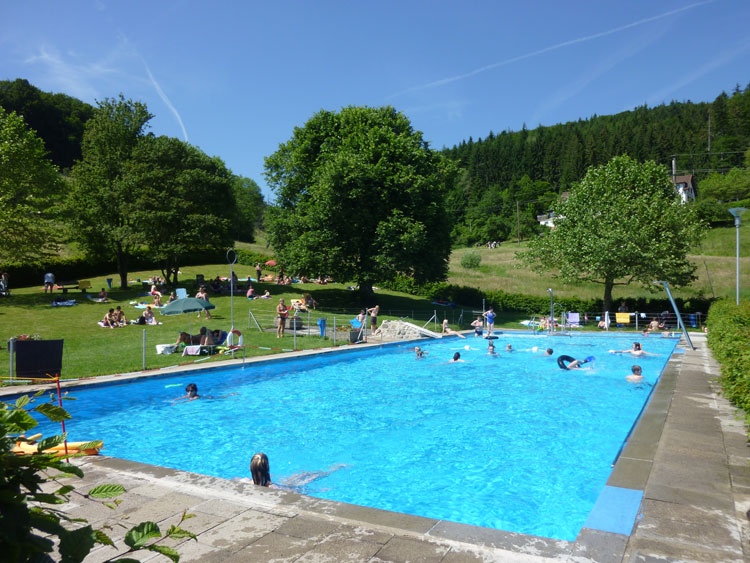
(471, 260)
(27, 513)
(728, 335)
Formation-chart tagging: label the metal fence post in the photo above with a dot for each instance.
(294, 331)
(12, 350)
(334, 331)
(144, 349)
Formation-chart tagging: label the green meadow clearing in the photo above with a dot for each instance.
(91, 350)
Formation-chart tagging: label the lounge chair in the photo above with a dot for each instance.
(181, 293)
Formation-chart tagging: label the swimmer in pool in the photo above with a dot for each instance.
(260, 470)
(509, 348)
(636, 376)
(491, 349)
(261, 473)
(548, 352)
(419, 352)
(191, 393)
(636, 350)
(456, 358)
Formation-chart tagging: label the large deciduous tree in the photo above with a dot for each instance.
(622, 223)
(103, 208)
(250, 208)
(184, 200)
(360, 197)
(29, 186)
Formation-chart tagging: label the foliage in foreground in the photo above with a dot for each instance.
(27, 512)
(728, 335)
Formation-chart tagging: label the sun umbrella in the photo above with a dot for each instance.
(271, 263)
(186, 305)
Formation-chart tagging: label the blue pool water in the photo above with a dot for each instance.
(509, 442)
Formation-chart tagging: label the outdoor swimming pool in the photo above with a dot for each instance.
(509, 442)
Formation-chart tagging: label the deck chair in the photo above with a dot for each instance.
(181, 293)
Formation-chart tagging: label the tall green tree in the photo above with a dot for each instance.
(183, 200)
(622, 223)
(360, 197)
(29, 187)
(250, 208)
(103, 208)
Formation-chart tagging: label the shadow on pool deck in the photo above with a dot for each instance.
(679, 492)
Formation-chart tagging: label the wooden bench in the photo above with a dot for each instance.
(82, 285)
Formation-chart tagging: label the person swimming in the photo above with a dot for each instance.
(191, 393)
(456, 358)
(419, 352)
(636, 376)
(636, 350)
(260, 470)
(491, 350)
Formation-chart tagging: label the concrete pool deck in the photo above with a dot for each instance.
(679, 491)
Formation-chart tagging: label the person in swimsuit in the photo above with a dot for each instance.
(258, 272)
(636, 376)
(191, 393)
(478, 326)
(374, 317)
(419, 352)
(456, 358)
(109, 319)
(202, 294)
(282, 311)
(120, 319)
(449, 330)
(490, 316)
(207, 337)
(260, 470)
(636, 350)
(491, 349)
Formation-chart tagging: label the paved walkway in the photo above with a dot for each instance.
(687, 463)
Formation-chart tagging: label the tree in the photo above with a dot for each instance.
(183, 200)
(360, 197)
(622, 223)
(250, 208)
(29, 185)
(103, 208)
(732, 186)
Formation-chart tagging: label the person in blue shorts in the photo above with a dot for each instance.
(478, 326)
(490, 316)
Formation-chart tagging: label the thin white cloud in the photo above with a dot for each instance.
(166, 101)
(75, 80)
(574, 88)
(725, 57)
(506, 62)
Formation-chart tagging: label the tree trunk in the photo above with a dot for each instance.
(608, 285)
(365, 292)
(122, 266)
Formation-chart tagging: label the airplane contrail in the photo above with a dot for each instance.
(479, 70)
(164, 99)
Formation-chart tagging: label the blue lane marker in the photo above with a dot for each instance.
(615, 510)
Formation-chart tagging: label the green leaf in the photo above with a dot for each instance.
(140, 534)
(110, 505)
(66, 467)
(101, 537)
(177, 532)
(50, 442)
(75, 545)
(106, 491)
(45, 521)
(22, 401)
(17, 421)
(53, 412)
(48, 498)
(166, 551)
(126, 560)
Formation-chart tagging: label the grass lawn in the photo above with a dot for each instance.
(715, 261)
(92, 350)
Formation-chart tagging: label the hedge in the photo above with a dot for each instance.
(503, 301)
(728, 337)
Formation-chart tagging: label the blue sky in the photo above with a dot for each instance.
(234, 78)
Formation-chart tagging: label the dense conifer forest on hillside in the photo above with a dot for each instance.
(532, 167)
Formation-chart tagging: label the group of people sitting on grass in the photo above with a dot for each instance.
(114, 318)
(205, 337)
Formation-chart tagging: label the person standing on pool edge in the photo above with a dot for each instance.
(490, 316)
